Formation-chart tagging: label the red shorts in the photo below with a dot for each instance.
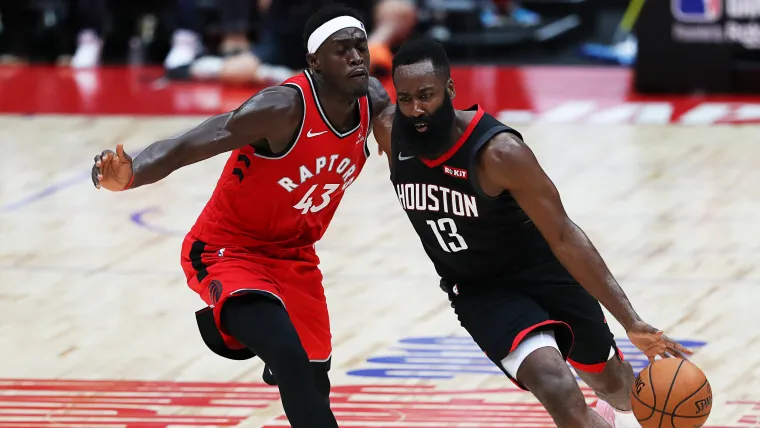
(290, 276)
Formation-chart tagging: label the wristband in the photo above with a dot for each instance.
(131, 180)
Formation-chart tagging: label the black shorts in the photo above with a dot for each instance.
(499, 314)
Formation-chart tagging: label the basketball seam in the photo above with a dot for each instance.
(654, 395)
(669, 414)
(660, 411)
(675, 409)
(667, 397)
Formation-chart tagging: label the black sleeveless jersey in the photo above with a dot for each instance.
(468, 235)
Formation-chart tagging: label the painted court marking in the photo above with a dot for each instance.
(44, 403)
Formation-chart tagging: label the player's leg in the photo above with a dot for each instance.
(319, 371)
(612, 383)
(599, 363)
(249, 312)
(545, 374)
(262, 324)
(520, 338)
(595, 357)
(302, 292)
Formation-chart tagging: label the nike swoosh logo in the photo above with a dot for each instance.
(310, 134)
(403, 158)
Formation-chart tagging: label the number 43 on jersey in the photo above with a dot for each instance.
(447, 226)
(306, 203)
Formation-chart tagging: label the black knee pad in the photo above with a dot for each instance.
(213, 339)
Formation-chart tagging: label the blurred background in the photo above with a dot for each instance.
(643, 112)
(259, 41)
(681, 45)
(89, 33)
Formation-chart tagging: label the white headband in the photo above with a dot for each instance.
(331, 27)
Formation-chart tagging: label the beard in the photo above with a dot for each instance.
(435, 140)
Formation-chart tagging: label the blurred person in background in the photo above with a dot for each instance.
(503, 12)
(186, 39)
(16, 19)
(279, 53)
(235, 21)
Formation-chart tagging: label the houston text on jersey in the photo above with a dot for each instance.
(430, 197)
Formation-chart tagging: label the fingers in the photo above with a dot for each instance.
(96, 176)
(655, 349)
(666, 348)
(104, 157)
(682, 353)
(676, 347)
(99, 161)
(120, 153)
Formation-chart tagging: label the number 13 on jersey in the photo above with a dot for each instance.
(447, 225)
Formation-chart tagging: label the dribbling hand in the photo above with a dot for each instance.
(652, 342)
(112, 171)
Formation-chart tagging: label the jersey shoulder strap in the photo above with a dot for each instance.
(487, 128)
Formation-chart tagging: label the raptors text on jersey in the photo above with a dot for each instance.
(286, 200)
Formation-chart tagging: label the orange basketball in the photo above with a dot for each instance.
(672, 393)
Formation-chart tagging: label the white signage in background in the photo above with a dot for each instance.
(696, 21)
(746, 34)
(743, 9)
(675, 112)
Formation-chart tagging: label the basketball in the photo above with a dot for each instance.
(671, 392)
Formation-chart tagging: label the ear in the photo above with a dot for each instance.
(312, 61)
(450, 88)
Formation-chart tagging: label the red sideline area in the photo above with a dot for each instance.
(600, 95)
(72, 403)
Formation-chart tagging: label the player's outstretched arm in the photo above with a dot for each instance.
(378, 97)
(268, 119)
(382, 131)
(380, 102)
(507, 163)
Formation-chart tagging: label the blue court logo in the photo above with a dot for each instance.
(697, 11)
(452, 356)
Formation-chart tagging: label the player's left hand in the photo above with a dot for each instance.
(653, 342)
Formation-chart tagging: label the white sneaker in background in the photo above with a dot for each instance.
(89, 46)
(186, 45)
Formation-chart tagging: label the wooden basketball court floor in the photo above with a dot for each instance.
(97, 325)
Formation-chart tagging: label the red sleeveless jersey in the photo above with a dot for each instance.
(286, 201)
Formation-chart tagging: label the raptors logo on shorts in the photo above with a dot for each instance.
(214, 291)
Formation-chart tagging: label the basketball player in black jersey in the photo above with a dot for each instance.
(523, 279)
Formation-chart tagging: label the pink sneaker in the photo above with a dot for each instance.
(606, 412)
(616, 418)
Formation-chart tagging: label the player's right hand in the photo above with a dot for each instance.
(112, 170)
(652, 342)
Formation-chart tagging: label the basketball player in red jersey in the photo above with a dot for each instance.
(250, 255)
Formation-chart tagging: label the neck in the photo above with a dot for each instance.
(339, 108)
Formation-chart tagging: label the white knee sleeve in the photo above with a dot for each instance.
(532, 342)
